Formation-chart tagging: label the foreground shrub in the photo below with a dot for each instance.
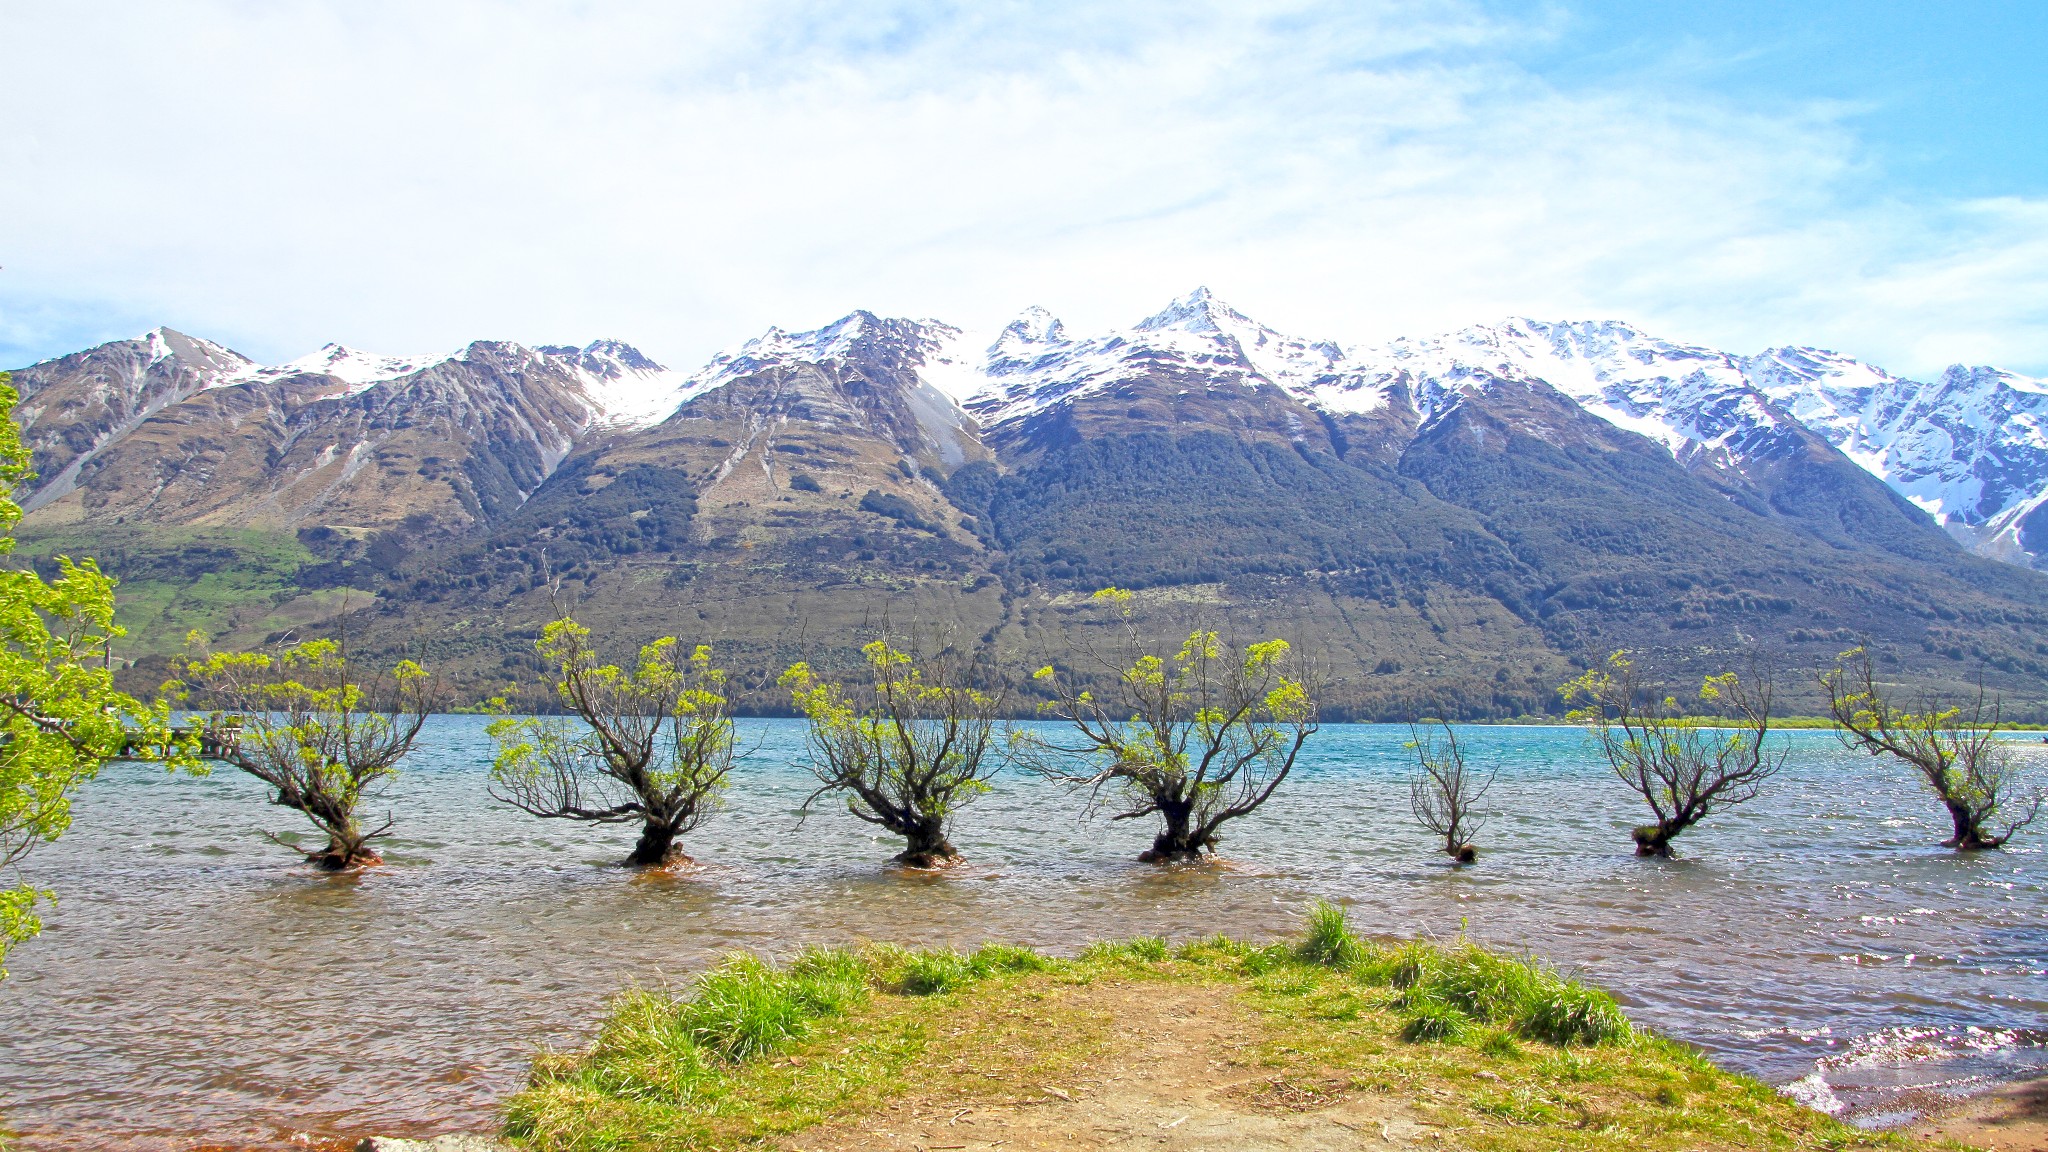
(995, 959)
(929, 973)
(1432, 1020)
(1142, 950)
(1571, 1013)
(1445, 989)
(1329, 941)
(1399, 966)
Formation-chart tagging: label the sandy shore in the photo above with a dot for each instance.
(2012, 1119)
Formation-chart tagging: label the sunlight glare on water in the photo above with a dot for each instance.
(195, 984)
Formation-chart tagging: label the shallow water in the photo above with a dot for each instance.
(195, 985)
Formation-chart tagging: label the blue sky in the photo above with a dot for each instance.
(1947, 98)
(404, 178)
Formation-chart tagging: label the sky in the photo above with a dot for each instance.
(1870, 177)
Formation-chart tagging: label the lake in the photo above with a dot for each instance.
(196, 984)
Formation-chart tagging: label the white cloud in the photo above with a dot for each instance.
(406, 177)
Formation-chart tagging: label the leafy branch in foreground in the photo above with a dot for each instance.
(1685, 767)
(907, 748)
(1954, 748)
(1199, 738)
(60, 717)
(323, 737)
(1446, 793)
(652, 746)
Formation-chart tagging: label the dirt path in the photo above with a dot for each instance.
(1175, 1071)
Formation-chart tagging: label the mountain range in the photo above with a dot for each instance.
(1450, 524)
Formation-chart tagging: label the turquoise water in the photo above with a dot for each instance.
(195, 982)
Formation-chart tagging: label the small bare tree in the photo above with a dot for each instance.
(1954, 748)
(908, 746)
(324, 739)
(1446, 795)
(652, 746)
(1685, 766)
(1198, 738)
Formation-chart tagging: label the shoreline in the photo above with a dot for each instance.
(2009, 1116)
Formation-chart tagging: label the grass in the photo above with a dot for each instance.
(175, 579)
(1508, 1054)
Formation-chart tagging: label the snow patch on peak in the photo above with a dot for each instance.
(1986, 379)
(212, 361)
(779, 348)
(1690, 399)
(1289, 361)
(624, 387)
(1034, 325)
(359, 370)
(1034, 364)
(1198, 311)
(776, 346)
(956, 362)
(610, 358)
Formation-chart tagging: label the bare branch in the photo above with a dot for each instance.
(1446, 795)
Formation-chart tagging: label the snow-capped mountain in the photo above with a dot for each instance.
(622, 386)
(356, 369)
(1970, 449)
(1493, 505)
(625, 388)
(169, 427)
(1034, 364)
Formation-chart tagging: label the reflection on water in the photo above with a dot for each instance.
(195, 984)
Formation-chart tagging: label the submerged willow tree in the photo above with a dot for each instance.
(908, 745)
(1684, 765)
(651, 746)
(1952, 747)
(325, 738)
(60, 716)
(1445, 796)
(1198, 738)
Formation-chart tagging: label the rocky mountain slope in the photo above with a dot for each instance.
(1451, 524)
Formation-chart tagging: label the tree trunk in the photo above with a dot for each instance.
(1655, 839)
(657, 847)
(1969, 835)
(928, 848)
(1177, 842)
(344, 851)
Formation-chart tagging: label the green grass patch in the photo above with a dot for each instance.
(1507, 1054)
(221, 580)
(1444, 990)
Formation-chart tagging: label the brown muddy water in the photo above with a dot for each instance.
(195, 988)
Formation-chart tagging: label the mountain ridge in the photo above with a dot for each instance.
(1466, 518)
